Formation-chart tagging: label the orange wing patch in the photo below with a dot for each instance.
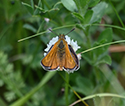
(70, 63)
(50, 61)
(74, 56)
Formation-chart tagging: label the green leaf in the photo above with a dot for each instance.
(32, 4)
(82, 6)
(92, 3)
(88, 57)
(84, 86)
(36, 11)
(79, 26)
(77, 15)
(88, 16)
(10, 96)
(29, 7)
(100, 54)
(39, 8)
(98, 11)
(30, 27)
(69, 5)
(100, 50)
(106, 34)
(104, 37)
(106, 59)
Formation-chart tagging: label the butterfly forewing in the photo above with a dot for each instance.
(50, 61)
(74, 56)
(70, 63)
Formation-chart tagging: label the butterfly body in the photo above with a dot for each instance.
(60, 56)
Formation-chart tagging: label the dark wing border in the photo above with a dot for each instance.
(76, 58)
(47, 67)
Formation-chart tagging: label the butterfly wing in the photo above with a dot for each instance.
(74, 56)
(70, 59)
(50, 61)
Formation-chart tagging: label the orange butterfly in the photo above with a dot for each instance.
(60, 56)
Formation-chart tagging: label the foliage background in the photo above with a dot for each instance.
(101, 71)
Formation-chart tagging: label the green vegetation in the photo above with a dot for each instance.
(24, 36)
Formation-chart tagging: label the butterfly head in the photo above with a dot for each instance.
(61, 36)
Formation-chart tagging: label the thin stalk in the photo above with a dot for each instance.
(72, 25)
(74, 91)
(66, 88)
(117, 14)
(44, 32)
(98, 95)
(106, 44)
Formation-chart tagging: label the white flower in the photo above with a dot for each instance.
(70, 42)
(79, 56)
(52, 42)
(67, 39)
(74, 45)
(46, 19)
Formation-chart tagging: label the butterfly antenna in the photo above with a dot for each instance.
(53, 32)
(70, 31)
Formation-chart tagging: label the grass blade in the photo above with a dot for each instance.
(117, 14)
(73, 25)
(106, 44)
(24, 99)
(98, 95)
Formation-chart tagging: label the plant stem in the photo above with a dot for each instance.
(106, 44)
(117, 14)
(73, 25)
(98, 95)
(73, 90)
(66, 87)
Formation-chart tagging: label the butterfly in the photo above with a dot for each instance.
(60, 56)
